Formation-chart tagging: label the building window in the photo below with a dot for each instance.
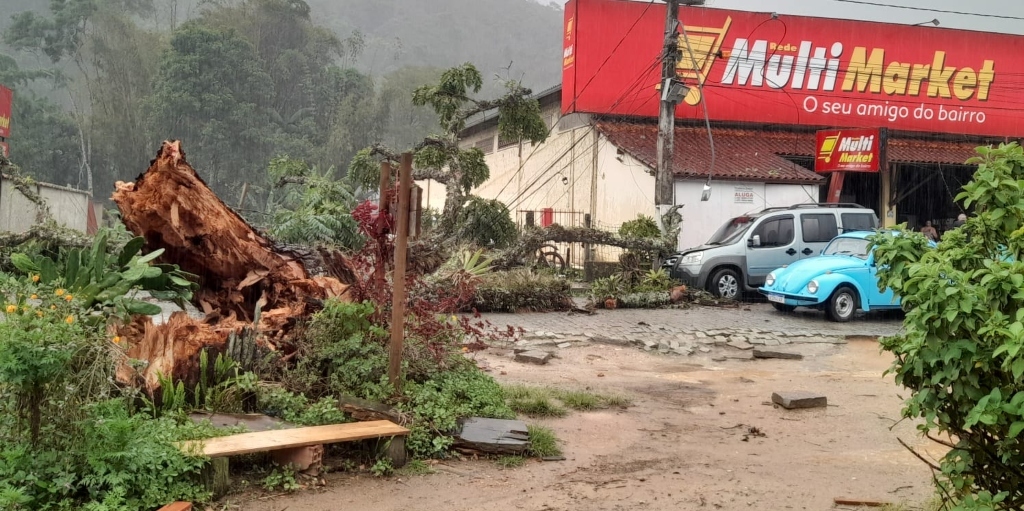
(776, 232)
(506, 142)
(859, 222)
(819, 228)
(486, 145)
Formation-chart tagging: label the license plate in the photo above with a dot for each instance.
(776, 298)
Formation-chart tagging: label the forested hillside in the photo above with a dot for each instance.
(99, 83)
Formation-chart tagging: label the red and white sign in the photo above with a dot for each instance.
(6, 100)
(851, 150)
(795, 70)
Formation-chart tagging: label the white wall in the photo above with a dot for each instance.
(728, 200)
(17, 214)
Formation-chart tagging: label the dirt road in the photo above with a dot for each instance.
(684, 444)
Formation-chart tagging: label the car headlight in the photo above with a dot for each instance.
(670, 262)
(812, 286)
(692, 259)
(770, 280)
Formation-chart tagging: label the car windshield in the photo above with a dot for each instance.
(732, 230)
(856, 247)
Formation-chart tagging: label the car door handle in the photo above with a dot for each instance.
(807, 251)
(791, 251)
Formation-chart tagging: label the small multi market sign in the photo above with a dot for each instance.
(756, 67)
(848, 150)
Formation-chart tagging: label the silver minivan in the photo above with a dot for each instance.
(747, 248)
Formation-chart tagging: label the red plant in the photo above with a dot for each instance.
(429, 308)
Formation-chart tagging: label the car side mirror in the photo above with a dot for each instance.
(754, 241)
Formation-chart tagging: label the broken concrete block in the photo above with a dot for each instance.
(306, 459)
(704, 349)
(533, 357)
(799, 399)
(497, 436)
(740, 345)
(565, 345)
(763, 353)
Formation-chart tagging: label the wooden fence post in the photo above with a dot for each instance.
(401, 252)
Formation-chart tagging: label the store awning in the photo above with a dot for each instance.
(752, 154)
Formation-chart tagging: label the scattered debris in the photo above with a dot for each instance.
(753, 431)
(533, 357)
(564, 345)
(840, 501)
(251, 421)
(363, 410)
(799, 399)
(740, 344)
(553, 458)
(496, 436)
(763, 353)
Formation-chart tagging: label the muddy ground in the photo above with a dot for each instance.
(684, 444)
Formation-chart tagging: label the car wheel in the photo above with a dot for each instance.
(781, 307)
(725, 283)
(842, 305)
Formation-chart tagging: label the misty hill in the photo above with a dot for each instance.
(443, 33)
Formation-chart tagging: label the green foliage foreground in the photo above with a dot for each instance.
(961, 350)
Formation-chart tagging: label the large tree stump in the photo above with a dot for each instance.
(241, 272)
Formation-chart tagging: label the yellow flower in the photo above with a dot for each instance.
(35, 278)
(53, 307)
(117, 339)
(34, 297)
(39, 314)
(69, 298)
(24, 308)
(11, 309)
(59, 292)
(455, 318)
(69, 320)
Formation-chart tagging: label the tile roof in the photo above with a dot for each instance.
(740, 154)
(757, 154)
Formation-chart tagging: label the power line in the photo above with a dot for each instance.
(910, 8)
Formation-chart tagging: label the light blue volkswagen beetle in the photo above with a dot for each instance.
(840, 281)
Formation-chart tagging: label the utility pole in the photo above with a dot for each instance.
(663, 196)
(672, 93)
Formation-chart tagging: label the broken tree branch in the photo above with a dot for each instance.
(532, 239)
(917, 455)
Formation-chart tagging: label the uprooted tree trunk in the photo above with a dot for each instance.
(245, 280)
(532, 239)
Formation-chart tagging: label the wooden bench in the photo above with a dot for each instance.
(300, 447)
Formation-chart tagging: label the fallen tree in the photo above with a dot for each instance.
(245, 280)
(532, 239)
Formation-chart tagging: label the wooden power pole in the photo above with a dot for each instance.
(398, 295)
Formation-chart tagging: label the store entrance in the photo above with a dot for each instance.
(927, 192)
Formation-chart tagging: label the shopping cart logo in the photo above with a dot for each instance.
(828, 146)
(697, 57)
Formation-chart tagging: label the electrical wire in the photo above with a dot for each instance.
(703, 102)
(943, 11)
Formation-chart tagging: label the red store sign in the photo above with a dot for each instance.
(851, 150)
(796, 70)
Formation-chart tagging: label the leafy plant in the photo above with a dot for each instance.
(961, 352)
(641, 227)
(608, 287)
(319, 213)
(655, 280)
(487, 223)
(99, 279)
(415, 468)
(552, 402)
(382, 468)
(281, 478)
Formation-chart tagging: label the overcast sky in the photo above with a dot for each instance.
(838, 9)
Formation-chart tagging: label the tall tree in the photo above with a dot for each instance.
(211, 90)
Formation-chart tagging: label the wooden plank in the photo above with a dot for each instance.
(842, 501)
(177, 506)
(262, 441)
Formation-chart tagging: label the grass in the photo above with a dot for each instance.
(510, 461)
(415, 468)
(550, 402)
(932, 505)
(543, 442)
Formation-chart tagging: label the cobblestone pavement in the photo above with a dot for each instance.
(730, 330)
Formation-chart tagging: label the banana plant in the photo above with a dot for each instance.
(99, 279)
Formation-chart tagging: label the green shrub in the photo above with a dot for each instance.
(961, 352)
(642, 227)
(437, 404)
(116, 461)
(608, 287)
(486, 223)
(543, 442)
(520, 290)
